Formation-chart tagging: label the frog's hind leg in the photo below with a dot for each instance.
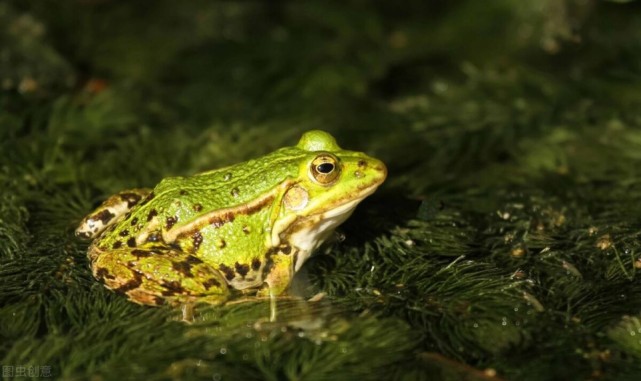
(157, 275)
(110, 211)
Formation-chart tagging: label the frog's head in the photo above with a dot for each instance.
(330, 183)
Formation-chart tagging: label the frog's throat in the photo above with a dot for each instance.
(311, 236)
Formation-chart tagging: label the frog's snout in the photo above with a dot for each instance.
(369, 172)
(376, 168)
(380, 169)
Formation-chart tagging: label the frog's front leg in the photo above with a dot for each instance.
(110, 211)
(281, 272)
(156, 275)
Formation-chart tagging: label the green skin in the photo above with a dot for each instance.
(246, 227)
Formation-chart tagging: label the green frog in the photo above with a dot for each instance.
(247, 227)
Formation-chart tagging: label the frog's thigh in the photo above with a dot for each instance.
(155, 277)
(110, 211)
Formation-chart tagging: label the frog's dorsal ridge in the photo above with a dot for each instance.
(224, 215)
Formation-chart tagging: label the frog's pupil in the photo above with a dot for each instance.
(325, 168)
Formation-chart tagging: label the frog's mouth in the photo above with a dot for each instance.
(349, 203)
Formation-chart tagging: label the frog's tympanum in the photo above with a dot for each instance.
(246, 227)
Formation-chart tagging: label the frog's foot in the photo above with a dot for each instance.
(261, 296)
(188, 312)
(109, 212)
(156, 276)
(247, 295)
(318, 297)
(258, 298)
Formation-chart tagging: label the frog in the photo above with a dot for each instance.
(242, 229)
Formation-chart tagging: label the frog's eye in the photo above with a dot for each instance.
(324, 169)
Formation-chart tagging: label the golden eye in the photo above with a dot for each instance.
(324, 169)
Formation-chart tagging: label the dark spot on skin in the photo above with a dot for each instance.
(193, 260)
(222, 244)
(209, 283)
(198, 239)
(362, 163)
(131, 242)
(175, 246)
(271, 251)
(124, 233)
(246, 229)
(241, 269)
(227, 271)
(198, 207)
(255, 264)
(141, 253)
(149, 197)
(269, 263)
(171, 221)
(134, 221)
(152, 213)
(105, 216)
(127, 215)
(286, 249)
(183, 192)
(235, 192)
(131, 198)
(132, 284)
(159, 301)
(172, 288)
(153, 237)
(116, 245)
(183, 267)
(103, 273)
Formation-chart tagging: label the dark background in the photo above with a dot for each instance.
(504, 244)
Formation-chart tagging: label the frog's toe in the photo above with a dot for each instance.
(188, 312)
(95, 223)
(109, 212)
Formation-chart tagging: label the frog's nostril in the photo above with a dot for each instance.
(381, 168)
